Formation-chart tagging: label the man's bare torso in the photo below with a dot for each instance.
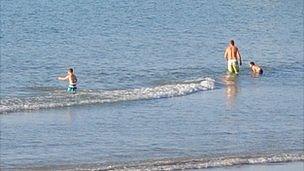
(232, 52)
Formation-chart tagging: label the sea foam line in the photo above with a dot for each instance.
(97, 96)
(178, 163)
(184, 164)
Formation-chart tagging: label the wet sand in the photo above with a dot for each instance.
(294, 166)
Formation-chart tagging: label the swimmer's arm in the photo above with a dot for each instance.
(63, 78)
(252, 69)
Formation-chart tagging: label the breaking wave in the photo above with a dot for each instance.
(62, 99)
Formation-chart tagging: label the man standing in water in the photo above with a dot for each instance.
(232, 55)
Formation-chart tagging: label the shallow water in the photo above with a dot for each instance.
(152, 84)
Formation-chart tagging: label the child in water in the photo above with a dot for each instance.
(255, 68)
(71, 77)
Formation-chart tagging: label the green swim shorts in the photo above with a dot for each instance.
(71, 89)
(233, 66)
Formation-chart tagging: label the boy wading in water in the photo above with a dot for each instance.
(232, 55)
(71, 77)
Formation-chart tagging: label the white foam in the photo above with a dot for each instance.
(179, 163)
(91, 97)
(200, 163)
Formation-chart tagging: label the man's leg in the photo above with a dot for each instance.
(236, 68)
(230, 68)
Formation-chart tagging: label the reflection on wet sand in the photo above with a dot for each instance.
(231, 88)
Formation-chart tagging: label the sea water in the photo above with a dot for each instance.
(153, 92)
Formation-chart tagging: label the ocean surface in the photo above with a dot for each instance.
(153, 91)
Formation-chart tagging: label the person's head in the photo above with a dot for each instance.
(232, 42)
(251, 64)
(70, 71)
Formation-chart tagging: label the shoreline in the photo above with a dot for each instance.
(192, 165)
(286, 166)
(283, 166)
